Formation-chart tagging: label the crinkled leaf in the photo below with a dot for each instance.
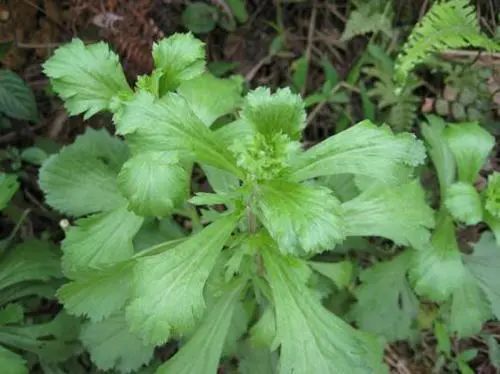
(439, 151)
(302, 219)
(29, 261)
(312, 339)
(154, 183)
(99, 240)
(112, 346)
(16, 98)
(98, 293)
(484, 263)
(168, 287)
(86, 77)
(81, 178)
(386, 304)
(207, 342)
(281, 112)
(12, 363)
(180, 57)
(438, 268)
(210, 97)
(8, 187)
(492, 196)
(469, 308)
(470, 144)
(387, 211)
(169, 124)
(464, 204)
(363, 149)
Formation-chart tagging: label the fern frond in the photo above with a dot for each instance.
(363, 21)
(451, 24)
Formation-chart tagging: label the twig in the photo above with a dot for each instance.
(251, 74)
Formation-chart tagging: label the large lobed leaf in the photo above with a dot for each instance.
(86, 77)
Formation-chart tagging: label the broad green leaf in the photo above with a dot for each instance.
(364, 149)
(464, 204)
(387, 211)
(339, 273)
(281, 112)
(12, 363)
(169, 124)
(256, 360)
(112, 346)
(493, 351)
(53, 341)
(210, 97)
(312, 339)
(97, 294)
(16, 98)
(99, 240)
(470, 144)
(207, 342)
(86, 77)
(492, 195)
(81, 178)
(439, 152)
(32, 260)
(11, 313)
(234, 131)
(469, 308)
(180, 57)
(302, 219)
(494, 225)
(168, 287)
(199, 17)
(438, 268)
(263, 332)
(154, 183)
(8, 187)
(386, 304)
(484, 263)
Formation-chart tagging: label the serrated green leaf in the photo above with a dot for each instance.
(16, 98)
(492, 195)
(438, 268)
(112, 346)
(365, 20)
(180, 57)
(494, 224)
(339, 273)
(210, 97)
(154, 183)
(29, 261)
(81, 178)
(484, 263)
(387, 211)
(207, 342)
(364, 149)
(12, 363)
(86, 77)
(99, 240)
(464, 203)
(8, 187)
(168, 287)
(281, 112)
(469, 308)
(439, 152)
(470, 144)
(302, 219)
(169, 124)
(386, 304)
(312, 339)
(97, 294)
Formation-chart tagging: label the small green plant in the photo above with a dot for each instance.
(243, 285)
